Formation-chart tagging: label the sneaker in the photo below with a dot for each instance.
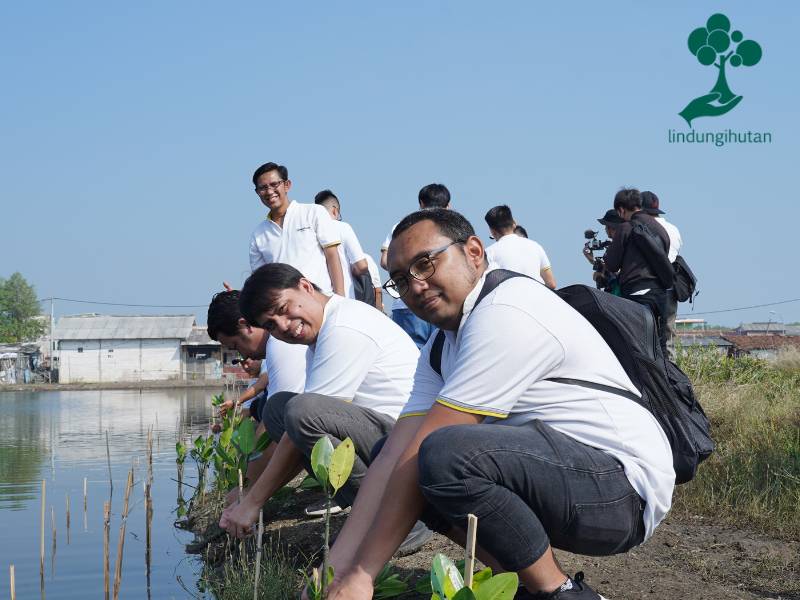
(415, 540)
(318, 509)
(573, 588)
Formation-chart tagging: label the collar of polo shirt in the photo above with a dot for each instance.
(472, 297)
(288, 208)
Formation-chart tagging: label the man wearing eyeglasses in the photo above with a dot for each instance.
(487, 431)
(301, 235)
(359, 374)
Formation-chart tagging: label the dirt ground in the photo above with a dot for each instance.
(686, 558)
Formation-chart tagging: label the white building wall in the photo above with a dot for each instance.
(119, 360)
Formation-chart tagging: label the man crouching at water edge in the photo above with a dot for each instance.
(541, 463)
(360, 367)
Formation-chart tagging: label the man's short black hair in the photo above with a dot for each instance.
(628, 198)
(451, 224)
(521, 231)
(499, 218)
(434, 195)
(270, 166)
(261, 290)
(325, 197)
(223, 315)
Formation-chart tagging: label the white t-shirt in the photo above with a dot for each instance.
(397, 303)
(496, 365)
(518, 254)
(361, 356)
(286, 367)
(374, 274)
(307, 229)
(253, 382)
(675, 240)
(350, 252)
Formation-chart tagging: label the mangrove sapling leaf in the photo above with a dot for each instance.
(309, 483)
(341, 464)
(181, 450)
(500, 587)
(321, 460)
(423, 586)
(217, 399)
(464, 594)
(481, 577)
(246, 439)
(446, 579)
(388, 584)
(262, 442)
(227, 459)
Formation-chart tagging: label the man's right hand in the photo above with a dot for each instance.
(225, 407)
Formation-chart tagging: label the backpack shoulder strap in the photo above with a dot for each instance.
(493, 279)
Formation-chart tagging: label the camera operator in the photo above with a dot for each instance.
(638, 280)
(605, 280)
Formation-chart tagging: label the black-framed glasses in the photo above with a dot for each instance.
(272, 185)
(421, 269)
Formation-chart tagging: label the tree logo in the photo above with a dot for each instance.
(715, 44)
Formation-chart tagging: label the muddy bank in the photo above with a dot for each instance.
(688, 557)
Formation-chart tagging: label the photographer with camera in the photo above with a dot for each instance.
(638, 253)
(603, 278)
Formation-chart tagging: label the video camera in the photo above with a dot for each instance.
(593, 244)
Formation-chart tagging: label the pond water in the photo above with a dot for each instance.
(61, 437)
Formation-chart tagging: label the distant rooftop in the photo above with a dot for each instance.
(111, 327)
(199, 337)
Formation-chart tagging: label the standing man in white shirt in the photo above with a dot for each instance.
(351, 255)
(360, 370)
(433, 195)
(302, 235)
(513, 252)
(650, 206)
(541, 463)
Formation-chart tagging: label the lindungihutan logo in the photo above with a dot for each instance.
(715, 44)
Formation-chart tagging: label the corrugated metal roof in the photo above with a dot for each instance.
(111, 327)
(199, 337)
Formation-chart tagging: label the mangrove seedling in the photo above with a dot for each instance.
(448, 584)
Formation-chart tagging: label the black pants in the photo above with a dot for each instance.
(656, 300)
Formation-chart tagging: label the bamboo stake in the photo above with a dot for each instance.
(41, 545)
(68, 518)
(108, 459)
(258, 552)
(106, 535)
(121, 542)
(13, 584)
(84, 494)
(469, 564)
(241, 486)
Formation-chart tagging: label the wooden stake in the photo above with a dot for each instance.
(108, 459)
(106, 535)
(241, 486)
(53, 523)
(469, 564)
(84, 494)
(121, 542)
(13, 584)
(258, 552)
(41, 545)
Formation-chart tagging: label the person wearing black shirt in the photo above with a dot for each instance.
(637, 279)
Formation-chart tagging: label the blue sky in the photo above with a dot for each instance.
(130, 133)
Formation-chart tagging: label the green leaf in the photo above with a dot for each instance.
(246, 439)
(309, 483)
(423, 586)
(321, 460)
(341, 464)
(229, 460)
(499, 587)
(446, 579)
(225, 436)
(481, 577)
(180, 448)
(464, 594)
(262, 442)
(388, 584)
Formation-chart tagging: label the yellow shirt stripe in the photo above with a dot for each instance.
(474, 411)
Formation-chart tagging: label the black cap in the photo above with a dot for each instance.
(650, 204)
(611, 218)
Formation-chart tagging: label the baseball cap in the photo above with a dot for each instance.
(611, 218)
(650, 204)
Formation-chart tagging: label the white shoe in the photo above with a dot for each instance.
(318, 509)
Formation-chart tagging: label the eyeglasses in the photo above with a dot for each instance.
(273, 185)
(421, 269)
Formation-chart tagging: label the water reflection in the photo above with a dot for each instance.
(61, 437)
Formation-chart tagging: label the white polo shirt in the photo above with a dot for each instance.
(307, 229)
(374, 274)
(675, 240)
(496, 365)
(350, 252)
(518, 254)
(286, 367)
(361, 356)
(397, 303)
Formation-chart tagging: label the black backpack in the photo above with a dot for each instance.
(630, 331)
(685, 281)
(652, 248)
(363, 289)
